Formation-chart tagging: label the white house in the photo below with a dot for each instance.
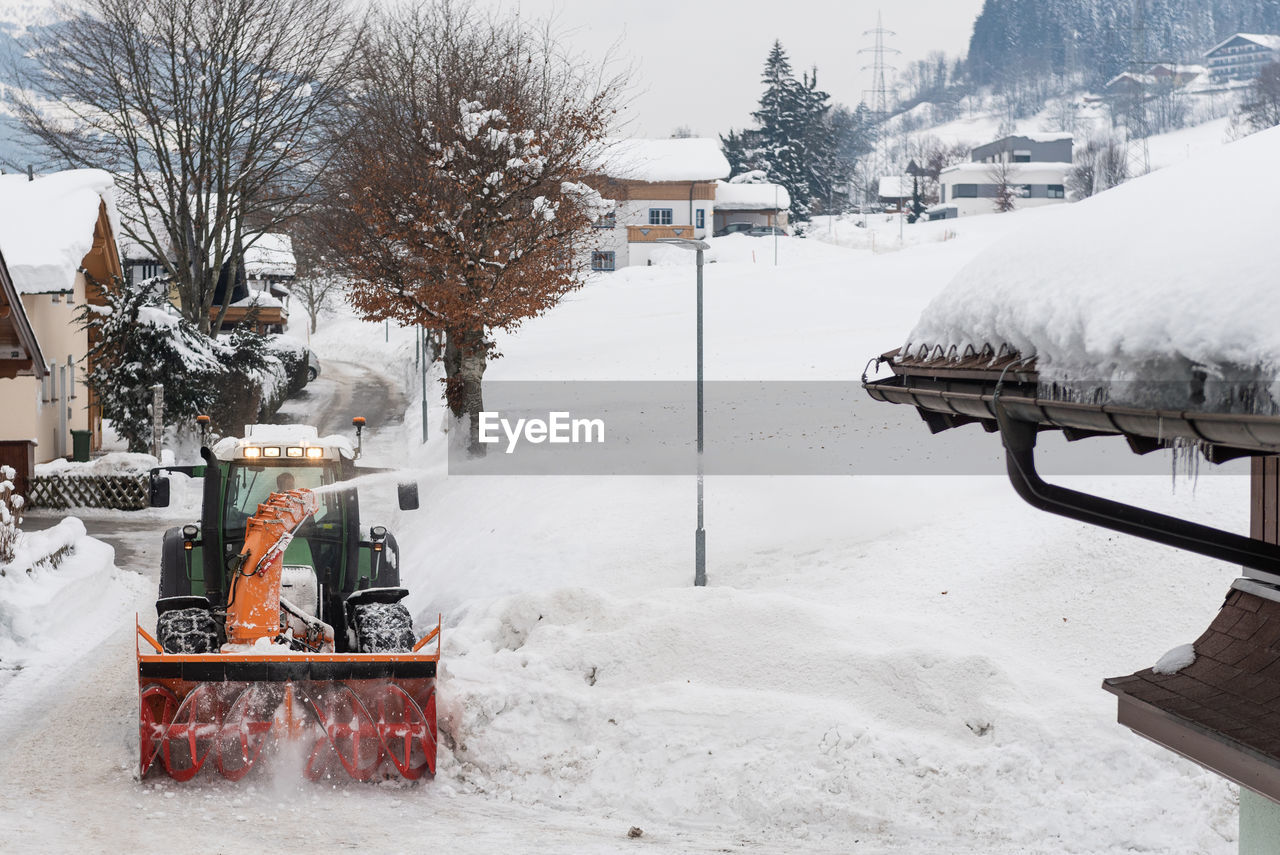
(970, 188)
(1241, 56)
(57, 238)
(662, 188)
(753, 203)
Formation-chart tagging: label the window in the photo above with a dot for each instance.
(964, 191)
(700, 218)
(602, 261)
(1057, 191)
(1023, 190)
(608, 221)
(660, 216)
(1021, 158)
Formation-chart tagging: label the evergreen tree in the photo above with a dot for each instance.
(137, 344)
(794, 143)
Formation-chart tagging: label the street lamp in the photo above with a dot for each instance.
(700, 534)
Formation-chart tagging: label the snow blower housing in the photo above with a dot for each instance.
(280, 614)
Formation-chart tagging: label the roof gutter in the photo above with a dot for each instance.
(1019, 439)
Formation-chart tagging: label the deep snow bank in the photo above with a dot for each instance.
(60, 595)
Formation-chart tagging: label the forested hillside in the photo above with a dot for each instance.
(1018, 40)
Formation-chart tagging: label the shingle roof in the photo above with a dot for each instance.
(1222, 710)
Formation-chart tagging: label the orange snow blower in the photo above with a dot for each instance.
(359, 699)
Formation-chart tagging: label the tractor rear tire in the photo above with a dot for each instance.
(192, 630)
(383, 628)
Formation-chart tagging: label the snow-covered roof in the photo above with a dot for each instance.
(969, 169)
(751, 197)
(1043, 136)
(1267, 40)
(695, 159)
(1144, 79)
(262, 299)
(1136, 281)
(895, 187)
(1176, 68)
(47, 225)
(270, 255)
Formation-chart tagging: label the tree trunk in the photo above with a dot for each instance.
(466, 356)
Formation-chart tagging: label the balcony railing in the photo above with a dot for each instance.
(648, 234)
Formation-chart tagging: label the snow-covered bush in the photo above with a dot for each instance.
(10, 514)
(140, 340)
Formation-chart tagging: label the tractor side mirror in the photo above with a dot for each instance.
(407, 493)
(159, 491)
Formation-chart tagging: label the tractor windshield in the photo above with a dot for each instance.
(249, 485)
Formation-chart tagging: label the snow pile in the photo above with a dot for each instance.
(59, 597)
(47, 225)
(261, 299)
(697, 159)
(1176, 659)
(44, 550)
(1167, 275)
(114, 463)
(731, 196)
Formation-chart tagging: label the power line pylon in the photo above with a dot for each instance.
(878, 95)
(1136, 127)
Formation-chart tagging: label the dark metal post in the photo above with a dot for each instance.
(700, 536)
(425, 364)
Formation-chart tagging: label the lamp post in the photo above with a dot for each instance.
(700, 533)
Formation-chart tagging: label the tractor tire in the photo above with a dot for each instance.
(383, 628)
(187, 631)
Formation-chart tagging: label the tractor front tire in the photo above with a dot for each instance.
(383, 628)
(193, 630)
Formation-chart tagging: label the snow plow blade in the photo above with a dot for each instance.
(363, 715)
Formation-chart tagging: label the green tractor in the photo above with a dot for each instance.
(337, 571)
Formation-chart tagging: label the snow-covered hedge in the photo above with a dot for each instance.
(43, 550)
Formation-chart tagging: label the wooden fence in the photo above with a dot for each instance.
(119, 492)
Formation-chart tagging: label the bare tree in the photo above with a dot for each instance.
(1262, 110)
(207, 111)
(462, 180)
(1004, 175)
(317, 290)
(1099, 164)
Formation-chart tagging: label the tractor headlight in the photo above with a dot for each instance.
(253, 452)
(315, 453)
(293, 451)
(271, 451)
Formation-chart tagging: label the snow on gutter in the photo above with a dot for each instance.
(1167, 278)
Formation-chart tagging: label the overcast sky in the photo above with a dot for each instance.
(698, 62)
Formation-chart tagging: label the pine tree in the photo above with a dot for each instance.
(794, 143)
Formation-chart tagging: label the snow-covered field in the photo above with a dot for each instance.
(880, 664)
(883, 663)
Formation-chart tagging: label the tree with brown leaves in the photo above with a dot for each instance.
(461, 197)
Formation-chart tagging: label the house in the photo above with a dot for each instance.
(261, 288)
(1241, 56)
(758, 203)
(1026, 148)
(1177, 75)
(971, 188)
(57, 239)
(894, 192)
(1128, 84)
(1037, 164)
(662, 189)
